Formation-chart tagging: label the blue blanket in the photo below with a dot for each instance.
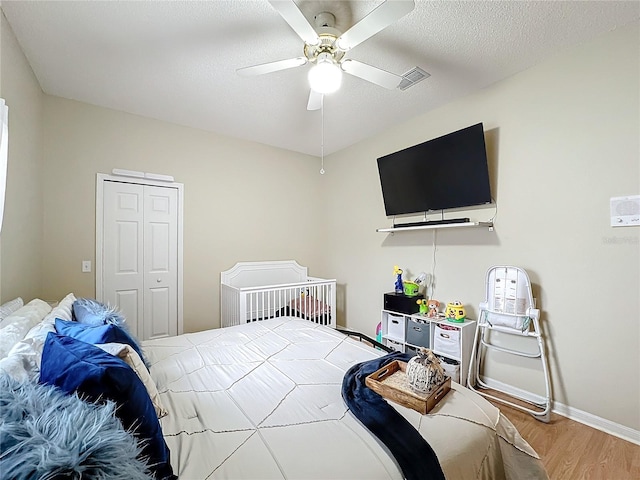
(47, 434)
(415, 456)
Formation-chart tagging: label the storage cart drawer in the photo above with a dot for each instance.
(397, 346)
(418, 333)
(446, 340)
(395, 327)
(451, 368)
(410, 350)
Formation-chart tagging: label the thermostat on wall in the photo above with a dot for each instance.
(625, 211)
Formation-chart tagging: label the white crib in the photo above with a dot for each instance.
(253, 291)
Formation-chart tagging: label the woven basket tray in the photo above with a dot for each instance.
(391, 382)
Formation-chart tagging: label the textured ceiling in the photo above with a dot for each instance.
(176, 61)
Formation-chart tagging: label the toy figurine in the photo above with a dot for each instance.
(423, 306)
(397, 271)
(410, 288)
(433, 308)
(455, 312)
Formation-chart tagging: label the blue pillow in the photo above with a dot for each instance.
(95, 313)
(76, 366)
(100, 334)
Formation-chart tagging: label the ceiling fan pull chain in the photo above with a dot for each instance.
(322, 135)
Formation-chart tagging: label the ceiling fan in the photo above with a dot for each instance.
(325, 47)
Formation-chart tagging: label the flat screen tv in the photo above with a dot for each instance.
(446, 172)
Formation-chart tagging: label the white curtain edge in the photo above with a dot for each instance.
(4, 151)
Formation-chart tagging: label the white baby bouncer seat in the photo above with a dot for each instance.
(509, 308)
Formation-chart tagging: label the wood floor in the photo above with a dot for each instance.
(573, 451)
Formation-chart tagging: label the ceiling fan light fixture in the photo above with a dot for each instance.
(343, 45)
(325, 76)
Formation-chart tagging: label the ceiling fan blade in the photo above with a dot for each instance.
(296, 20)
(379, 19)
(271, 67)
(315, 100)
(371, 74)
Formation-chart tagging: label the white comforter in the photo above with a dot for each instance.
(262, 401)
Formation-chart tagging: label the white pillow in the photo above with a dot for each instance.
(23, 361)
(9, 307)
(63, 310)
(131, 358)
(12, 365)
(20, 322)
(39, 332)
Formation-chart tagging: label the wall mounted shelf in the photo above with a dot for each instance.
(488, 225)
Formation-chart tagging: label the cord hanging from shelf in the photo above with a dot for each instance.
(431, 287)
(322, 135)
(495, 211)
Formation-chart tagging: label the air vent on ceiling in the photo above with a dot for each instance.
(412, 77)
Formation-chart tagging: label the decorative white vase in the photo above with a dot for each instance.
(424, 371)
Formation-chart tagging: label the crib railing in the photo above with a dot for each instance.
(313, 300)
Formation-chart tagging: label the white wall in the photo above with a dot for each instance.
(21, 238)
(243, 201)
(563, 137)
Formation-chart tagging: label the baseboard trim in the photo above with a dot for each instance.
(602, 424)
(586, 418)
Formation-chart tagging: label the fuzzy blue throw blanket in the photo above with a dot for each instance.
(47, 435)
(415, 456)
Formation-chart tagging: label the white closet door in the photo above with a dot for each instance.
(160, 262)
(140, 256)
(123, 251)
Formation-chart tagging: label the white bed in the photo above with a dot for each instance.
(262, 400)
(253, 291)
